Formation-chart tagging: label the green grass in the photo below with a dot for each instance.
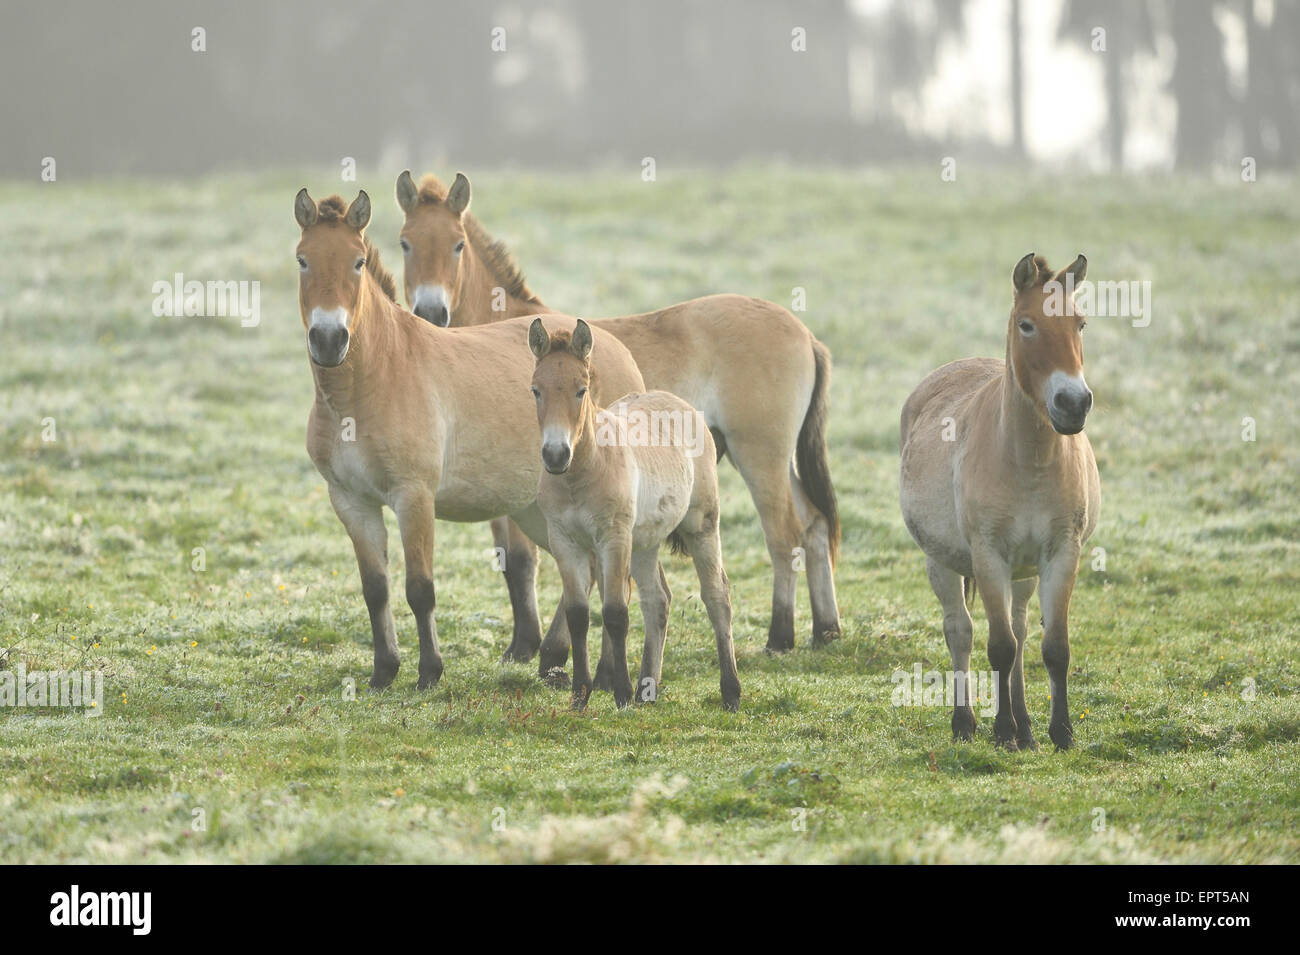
(224, 687)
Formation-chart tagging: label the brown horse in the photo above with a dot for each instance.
(617, 484)
(752, 369)
(999, 487)
(428, 421)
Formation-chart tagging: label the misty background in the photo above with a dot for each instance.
(116, 88)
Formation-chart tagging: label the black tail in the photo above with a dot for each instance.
(810, 452)
(677, 544)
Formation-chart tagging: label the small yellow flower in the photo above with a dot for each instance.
(282, 586)
(194, 643)
(74, 636)
(96, 644)
(91, 606)
(247, 593)
(304, 639)
(93, 703)
(399, 792)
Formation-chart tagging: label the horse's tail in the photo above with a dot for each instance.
(677, 544)
(810, 452)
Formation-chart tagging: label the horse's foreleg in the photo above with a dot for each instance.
(1021, 591)
(519, 564)
(654, 597)
(948, 586)
(575, 573)
(364, 522)
(993, 580)
(1057, 583)
(614, 569)
(415, 521)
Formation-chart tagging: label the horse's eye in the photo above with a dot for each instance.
(1027, 326)
(361, 264)
(536, 393)
(302, 264)
(582, 392)
(459, 247)
(1082, 326)
(406, 246)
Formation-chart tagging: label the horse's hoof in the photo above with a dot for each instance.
(1062, 735)
(1005, 742)
(383, 676)
(777, 644)
(963, 726)
(1026, 742)
(731, 703)
(518, 654)
(825, 636)
(429, 678)
(581, 694)
(557, 678)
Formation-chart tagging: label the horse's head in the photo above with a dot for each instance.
(433, 242)
(331, 260)
(561, 385)
(1045, 341)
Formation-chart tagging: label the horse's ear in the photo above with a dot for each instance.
(580, 343)
(458, 194)
(408, 195)
(359, 212)
(304, 209)
(538, 340)
(1026, 272)
(1078, 269)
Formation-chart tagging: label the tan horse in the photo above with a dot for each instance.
(756, 373)
(618, 483)
(999, 486)
(428, 421)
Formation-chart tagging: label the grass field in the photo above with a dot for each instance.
(223, 687)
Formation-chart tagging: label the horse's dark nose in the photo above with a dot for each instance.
(434, 314)
(327, 346)
(556, 457)
(1073, 403)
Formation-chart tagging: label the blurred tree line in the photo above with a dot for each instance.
(117, 87)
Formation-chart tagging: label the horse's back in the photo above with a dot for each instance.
(944, 391)
(674, 461)
(743, 362)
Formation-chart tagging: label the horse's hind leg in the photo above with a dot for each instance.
(948, 586)
(705, 549)
(817, 563)
(364, 522)
(1021, 591)
(519, 564)
(655, 602)
(765, 472)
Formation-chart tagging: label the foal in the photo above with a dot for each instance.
(999, 486)
(617, 484)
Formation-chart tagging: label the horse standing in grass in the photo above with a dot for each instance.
(617, 484)
(426, 420)
(752, 369)
(999, 487)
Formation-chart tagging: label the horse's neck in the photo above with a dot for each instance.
(590, 459)
(1025, 439)
(371, 342)
(479, 294)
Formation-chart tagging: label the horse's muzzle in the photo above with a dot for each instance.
(557, 458)
(327, 346)
(434, 314)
